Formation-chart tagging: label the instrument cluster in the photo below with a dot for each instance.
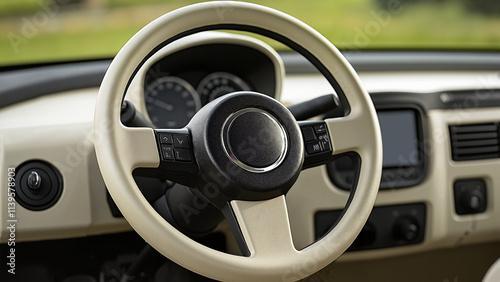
(179, 83)
(172, 101)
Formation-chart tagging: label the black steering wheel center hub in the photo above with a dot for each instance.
(248, 146)
(254, 140)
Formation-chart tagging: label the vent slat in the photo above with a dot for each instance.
(477, 136)
(475, 141)
(475, 157)
(474, 128)
(477, 150)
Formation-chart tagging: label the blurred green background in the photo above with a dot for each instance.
(34, 31)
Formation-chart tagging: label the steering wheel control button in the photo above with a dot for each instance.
(470, 196)
(167, 153)
(320, 129)
(166, 139)
(254, 140)
(308, 134)
(324, 140)
(181, 141)
(313, 147)
(182, 155)
(326, 145)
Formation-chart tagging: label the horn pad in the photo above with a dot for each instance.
(248, 147)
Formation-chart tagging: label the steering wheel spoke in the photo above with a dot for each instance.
(324, 139)
(348, 133)
(137, 147)
(261, 228)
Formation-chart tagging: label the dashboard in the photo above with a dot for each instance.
(440, 130)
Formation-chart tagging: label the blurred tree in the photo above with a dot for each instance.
(389, 4)
(89, 4)
(486, 7)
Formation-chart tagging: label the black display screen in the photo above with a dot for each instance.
(400, 138)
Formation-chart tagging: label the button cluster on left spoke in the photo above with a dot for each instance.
(178, 162)
(175, 146)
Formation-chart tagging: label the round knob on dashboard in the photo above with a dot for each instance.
(406, 229)
(472, 201)
(38, 185)
(34, 180)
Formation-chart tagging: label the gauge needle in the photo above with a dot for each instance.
(163, 105)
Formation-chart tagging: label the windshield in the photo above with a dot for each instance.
(33, 31)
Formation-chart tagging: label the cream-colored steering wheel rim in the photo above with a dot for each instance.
(121, 149)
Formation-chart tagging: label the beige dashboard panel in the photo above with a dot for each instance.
(57, 129)
(444, 228)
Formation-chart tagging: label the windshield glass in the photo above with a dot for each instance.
(33, 31)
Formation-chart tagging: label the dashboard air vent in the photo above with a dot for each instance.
(475, 141)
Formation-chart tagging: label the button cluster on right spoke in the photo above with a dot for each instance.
(316, 138)
(317, 143)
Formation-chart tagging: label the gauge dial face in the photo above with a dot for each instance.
(171, 102)
(220, 83)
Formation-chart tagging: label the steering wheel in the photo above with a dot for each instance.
(242, 152)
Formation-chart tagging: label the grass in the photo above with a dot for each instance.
(14, 7)
(26, 36)
(69, 46)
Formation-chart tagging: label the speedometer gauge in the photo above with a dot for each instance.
(171, 102)
(219, 83)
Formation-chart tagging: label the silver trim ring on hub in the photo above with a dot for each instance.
(229, 151)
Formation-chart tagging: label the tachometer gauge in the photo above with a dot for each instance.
(219, 83)
(171, 102)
